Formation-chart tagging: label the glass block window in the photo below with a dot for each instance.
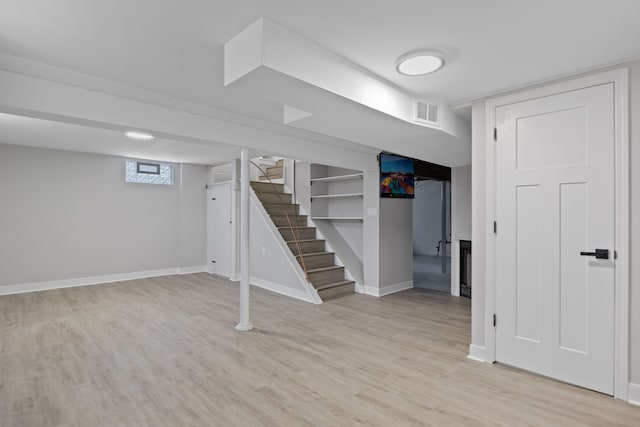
(145, 172)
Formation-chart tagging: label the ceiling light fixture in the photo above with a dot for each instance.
(420, 63)
(140, 136)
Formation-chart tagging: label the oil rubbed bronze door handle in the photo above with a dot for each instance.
(599, 253)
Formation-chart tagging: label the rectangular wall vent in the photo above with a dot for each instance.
(427, 113)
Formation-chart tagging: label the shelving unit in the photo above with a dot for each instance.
(337, 196)
(338, 178)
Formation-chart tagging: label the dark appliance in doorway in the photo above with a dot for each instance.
(465, 268)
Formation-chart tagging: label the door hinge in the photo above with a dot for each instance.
(615, 254)
(495, 227)
(494, 320)
(213, 198)
(495, 134)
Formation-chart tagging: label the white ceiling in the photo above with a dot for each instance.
(176, 48)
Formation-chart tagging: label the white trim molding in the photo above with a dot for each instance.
(633, 395)
(389, 289)
(282, 290)
(95, 280)
(619, 78)
(192, 270)
(477, 353)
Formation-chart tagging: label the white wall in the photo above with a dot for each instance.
(302, 184)
(68, 215)
(461, 202)
(634, 80)
(192, 215)
(219, 173)
(371, 231)
(396, 250)
(480, 222)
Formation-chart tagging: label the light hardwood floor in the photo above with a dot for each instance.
(164, 352)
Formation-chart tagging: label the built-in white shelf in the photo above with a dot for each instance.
(338, 218)
(338, 178)
(337, 196)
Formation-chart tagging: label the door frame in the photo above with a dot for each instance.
(619, 78)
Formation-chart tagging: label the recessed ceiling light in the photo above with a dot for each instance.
(141, 136)
(420, 63)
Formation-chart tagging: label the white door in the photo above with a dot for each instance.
(555, 199)
(219, 230)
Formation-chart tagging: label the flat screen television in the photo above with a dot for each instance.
(396, 176)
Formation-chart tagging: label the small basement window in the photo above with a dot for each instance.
(152, 168)
(145, 172)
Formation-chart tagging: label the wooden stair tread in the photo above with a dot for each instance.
(334, 285)
(316, 254)
(305, 241)
(321, 269)
(267, 187)
(281, 204)
(258, 193)
(282, 201)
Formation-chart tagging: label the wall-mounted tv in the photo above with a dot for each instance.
(396, 176)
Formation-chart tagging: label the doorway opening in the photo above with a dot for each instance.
(432, 228)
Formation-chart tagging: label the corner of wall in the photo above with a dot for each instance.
(477, 353)
(478, 226)
(633, 395)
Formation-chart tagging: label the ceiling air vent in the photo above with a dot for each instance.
(427, 113)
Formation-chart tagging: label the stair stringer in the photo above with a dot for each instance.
(349, 268)
(304, 290)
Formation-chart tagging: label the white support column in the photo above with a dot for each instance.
(245, 324)
(235, 220)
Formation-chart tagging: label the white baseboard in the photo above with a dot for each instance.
(234, 277)
(389, 289)
(633, 396)
(193, 269)
(477, 353)
(280, 289)
(85, 281)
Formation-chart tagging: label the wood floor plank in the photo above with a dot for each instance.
(164, 352)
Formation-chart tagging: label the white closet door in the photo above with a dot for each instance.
(219, 230)
(555, 200)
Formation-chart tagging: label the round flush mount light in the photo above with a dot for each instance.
(420, 63)
(140, 136)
